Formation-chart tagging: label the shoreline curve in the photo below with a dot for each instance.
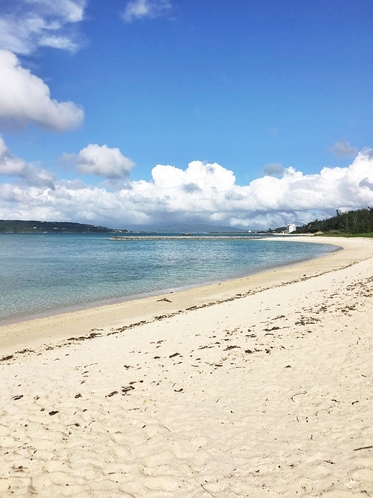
(35, 331)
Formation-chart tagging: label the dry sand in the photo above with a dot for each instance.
(258, 387)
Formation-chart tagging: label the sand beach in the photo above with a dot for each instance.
(256, 387)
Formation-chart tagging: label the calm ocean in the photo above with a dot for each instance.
(50, 273)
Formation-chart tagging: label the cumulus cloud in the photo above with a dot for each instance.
(343, 149)
(25, 98)
(101, 161)
(142, 9)
(201, 193)
(9, 165)
(26, 25)
(207, 177)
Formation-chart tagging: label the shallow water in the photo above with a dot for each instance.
(49, 273)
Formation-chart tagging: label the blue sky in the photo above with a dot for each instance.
(252, 114)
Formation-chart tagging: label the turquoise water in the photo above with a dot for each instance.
(49, 273)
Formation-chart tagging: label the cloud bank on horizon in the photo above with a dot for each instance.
(202, 193)
(95, 184)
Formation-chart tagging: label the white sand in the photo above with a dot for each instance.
(263, 390)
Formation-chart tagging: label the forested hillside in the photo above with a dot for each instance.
(22, 226)
(355, 222)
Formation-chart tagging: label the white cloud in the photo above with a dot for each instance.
(203, 192)
(101, 161)
(206, 176)
(25, 98)
(26, 25)
(141, 9)
(9, 165)
(343, 149)
(66, 10)
(28, 173)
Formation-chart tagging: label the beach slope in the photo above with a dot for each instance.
(258, 387)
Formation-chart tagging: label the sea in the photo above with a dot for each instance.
(45, 274)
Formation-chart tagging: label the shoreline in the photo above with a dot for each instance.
(59, 326)
(259, 387)
(98, 303)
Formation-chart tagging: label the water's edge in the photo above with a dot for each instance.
(163, 284)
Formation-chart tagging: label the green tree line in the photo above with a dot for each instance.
(358, 221)
(22, 226)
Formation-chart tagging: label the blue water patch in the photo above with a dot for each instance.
(49, 273)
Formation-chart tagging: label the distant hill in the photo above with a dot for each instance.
(22, 226)
(355, 222)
